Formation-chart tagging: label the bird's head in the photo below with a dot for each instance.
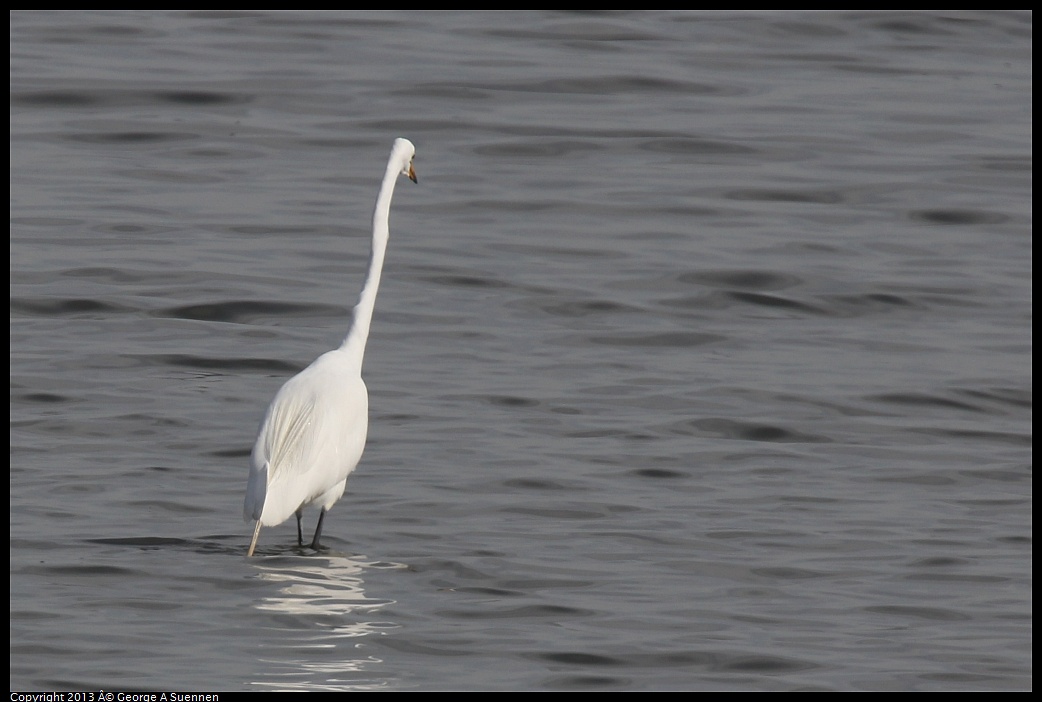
(404, 151)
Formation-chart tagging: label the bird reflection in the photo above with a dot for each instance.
(322, 609)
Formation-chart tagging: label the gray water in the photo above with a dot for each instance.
(702, 358)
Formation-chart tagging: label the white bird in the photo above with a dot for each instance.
(314, 431)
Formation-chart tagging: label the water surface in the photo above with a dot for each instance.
(702, 358)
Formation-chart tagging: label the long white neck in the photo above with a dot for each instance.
(354, 343)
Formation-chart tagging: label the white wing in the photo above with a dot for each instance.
(311, 439)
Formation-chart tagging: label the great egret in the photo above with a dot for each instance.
(314, 431)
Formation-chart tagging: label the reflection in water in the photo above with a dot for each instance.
(322, 615)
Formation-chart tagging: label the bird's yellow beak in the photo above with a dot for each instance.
(412, 173)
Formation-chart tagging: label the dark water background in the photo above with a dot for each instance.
(702, 358)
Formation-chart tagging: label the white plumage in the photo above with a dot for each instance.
(314, 432)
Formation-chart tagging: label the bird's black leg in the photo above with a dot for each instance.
(300, 534)
(318, 530)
